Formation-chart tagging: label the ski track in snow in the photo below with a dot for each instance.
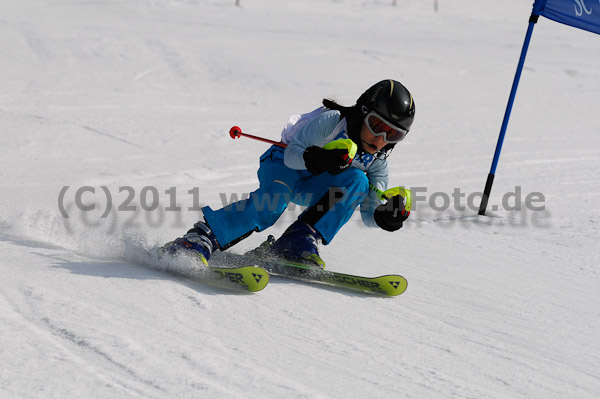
(142, 94)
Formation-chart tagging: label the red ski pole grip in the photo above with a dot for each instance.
(235, 132)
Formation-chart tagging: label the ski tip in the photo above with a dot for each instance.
(252, 278)
(393, 285)
(258, 278)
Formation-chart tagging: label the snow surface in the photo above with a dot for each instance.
(142, 93)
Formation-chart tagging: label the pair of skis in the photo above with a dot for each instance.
(255, 278)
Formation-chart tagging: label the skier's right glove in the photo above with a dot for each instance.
(391, 216)
(319, 160)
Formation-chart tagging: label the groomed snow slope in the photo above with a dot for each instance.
(138, 96)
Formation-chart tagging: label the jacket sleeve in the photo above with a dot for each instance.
(313, 133)
(378, 176)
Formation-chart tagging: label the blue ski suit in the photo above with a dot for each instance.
(330, 199)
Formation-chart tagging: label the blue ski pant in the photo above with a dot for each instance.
(331, 200)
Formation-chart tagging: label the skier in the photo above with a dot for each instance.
(315, 170)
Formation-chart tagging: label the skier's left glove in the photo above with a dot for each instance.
(391, 216)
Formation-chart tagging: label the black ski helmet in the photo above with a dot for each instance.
(388, 98)
(391, 100)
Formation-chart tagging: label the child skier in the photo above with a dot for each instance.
(314, 170)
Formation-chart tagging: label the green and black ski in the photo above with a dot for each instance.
(387, 285)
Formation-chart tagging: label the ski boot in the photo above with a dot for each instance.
(199, 241)
(299, 243)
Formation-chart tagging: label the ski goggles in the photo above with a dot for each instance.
(380, 127)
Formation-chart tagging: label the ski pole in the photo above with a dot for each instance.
(345, 144)
(236, 132)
